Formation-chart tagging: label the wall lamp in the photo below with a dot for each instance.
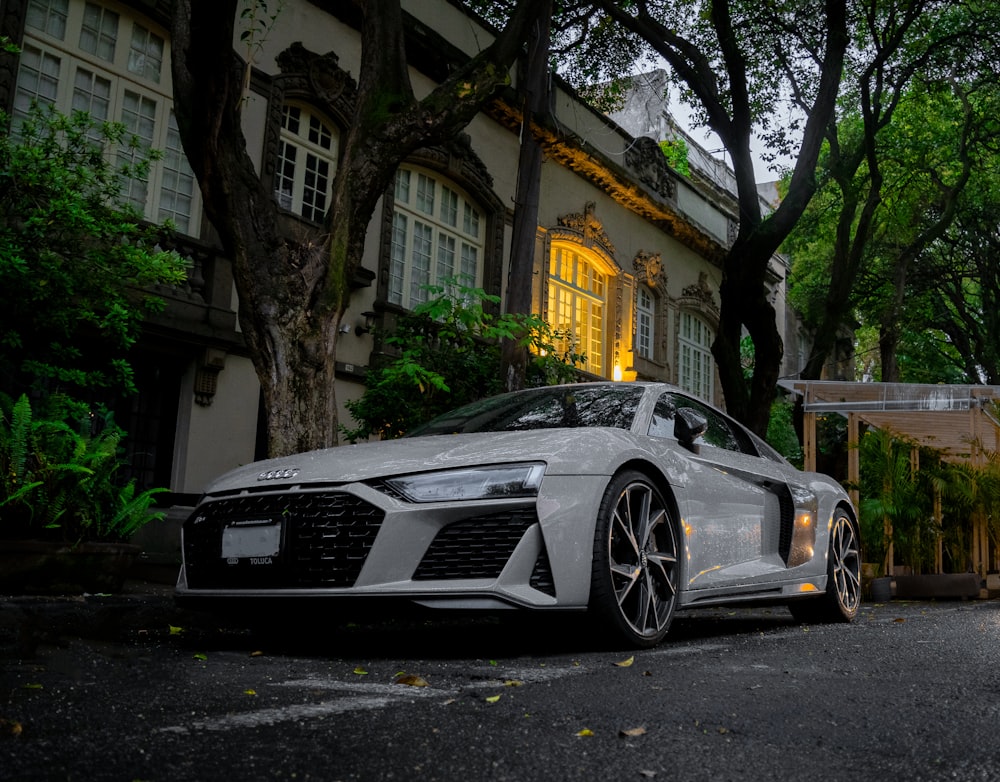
(369, 324)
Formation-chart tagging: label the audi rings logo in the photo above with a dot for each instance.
(278, 475)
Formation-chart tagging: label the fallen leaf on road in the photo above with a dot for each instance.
(360, 671)
(257, 653)
(249, 692)
(513, 683)
(412, 680)
(626, 663)
(585, 732)
(175, 630)
(200, 656)
(492, 698)
(633, 732)
(11, 727)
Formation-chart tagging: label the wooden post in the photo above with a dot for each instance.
(853, 459)
(809, 442)
(939, 551)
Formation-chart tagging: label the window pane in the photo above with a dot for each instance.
(696, 365)
(145, 54)
(306, 163)
(420, 262)
(37, 80)
(397, 262)
(644, 323)
(576, 305)
(139, 118)
(314, 188)
(425, 223)
(92, 93)
(449, 207)
(48, 16)
(403, 186)
(425, 194)
(177, 188)
(99, 32)
(445, 257)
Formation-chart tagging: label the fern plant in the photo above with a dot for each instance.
(61, 483)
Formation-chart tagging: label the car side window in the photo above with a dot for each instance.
(662, 422)
(721, 432)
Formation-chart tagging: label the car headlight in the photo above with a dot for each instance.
(473, 483)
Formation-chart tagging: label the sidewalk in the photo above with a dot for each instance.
(142, 607)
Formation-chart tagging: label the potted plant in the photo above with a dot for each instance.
(66, 515)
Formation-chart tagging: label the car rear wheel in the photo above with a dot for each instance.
(635, 568)
(842, 599)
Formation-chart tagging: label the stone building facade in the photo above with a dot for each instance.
(627, 251)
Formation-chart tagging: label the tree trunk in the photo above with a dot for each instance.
(293, 294)
(514, 357)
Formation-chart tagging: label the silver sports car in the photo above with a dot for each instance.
(626, 500)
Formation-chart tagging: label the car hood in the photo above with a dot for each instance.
(566, 451)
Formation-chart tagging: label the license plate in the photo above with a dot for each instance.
(251, 540)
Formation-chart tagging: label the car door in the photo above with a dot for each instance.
(736, 502)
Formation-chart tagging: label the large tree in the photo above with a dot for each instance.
(738, 62)
(875, 163)
(294, 291)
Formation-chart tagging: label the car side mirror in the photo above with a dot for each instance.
(689, 425)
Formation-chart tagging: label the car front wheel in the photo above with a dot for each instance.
(635, 567)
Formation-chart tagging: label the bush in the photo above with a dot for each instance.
(76, 258)
(448, 354)
(60, 481)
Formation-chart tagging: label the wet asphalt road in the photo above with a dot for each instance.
(910, 691)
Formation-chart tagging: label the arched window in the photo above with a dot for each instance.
(307, 160)
(578, 302)
(645, 329)
(438, 234)
(696, 368)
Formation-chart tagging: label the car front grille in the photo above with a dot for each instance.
(477, 547)
(325, 538)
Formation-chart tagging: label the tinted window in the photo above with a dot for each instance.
(722, 433)
(542, 408)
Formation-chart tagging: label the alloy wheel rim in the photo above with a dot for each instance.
(846, 564)
(643, 560)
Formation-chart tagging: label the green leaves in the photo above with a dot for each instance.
(448, 354)
(59, 480)
(76, 258)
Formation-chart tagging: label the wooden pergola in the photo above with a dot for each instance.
(958, 421)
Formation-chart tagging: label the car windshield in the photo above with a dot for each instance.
(555, 407)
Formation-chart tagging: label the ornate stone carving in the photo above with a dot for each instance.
(646, 159)
(701, 291)
(649, 269)
(316, 78)
(589, 227)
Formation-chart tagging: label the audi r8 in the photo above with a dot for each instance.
(627, 501)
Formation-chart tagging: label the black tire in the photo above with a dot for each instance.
(842, 598)
(635, 568)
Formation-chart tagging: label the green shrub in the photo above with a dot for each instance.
(60, 481)
(448, 354)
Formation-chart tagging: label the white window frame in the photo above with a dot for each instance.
(645, 322)
(696, 366)
(157, 198)
(307, 162)
(438, 234)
